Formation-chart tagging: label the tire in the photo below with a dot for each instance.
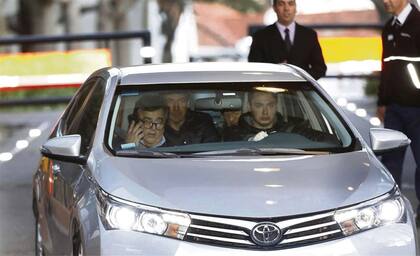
(77, 245)
(39, 249)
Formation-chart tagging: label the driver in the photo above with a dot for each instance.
(261, 120)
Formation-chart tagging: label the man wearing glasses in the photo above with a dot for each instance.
(148, 123)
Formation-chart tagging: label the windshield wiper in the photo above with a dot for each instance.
(146, 154)
(260, 152)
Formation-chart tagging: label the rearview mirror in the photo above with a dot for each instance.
(385, 140)
(222, 103)
(65, 148)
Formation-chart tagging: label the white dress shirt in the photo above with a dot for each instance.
(403, 15)
(292, 30)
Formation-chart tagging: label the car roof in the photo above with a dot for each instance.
(210, 72)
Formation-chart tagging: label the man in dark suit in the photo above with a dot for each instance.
(399, 90)
(288, 42)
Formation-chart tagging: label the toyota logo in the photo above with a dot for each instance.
(266, 234)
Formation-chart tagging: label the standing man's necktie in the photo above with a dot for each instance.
(396, 29)
(397, 24)
(287, 41)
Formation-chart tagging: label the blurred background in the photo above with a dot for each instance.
(54, 45)
(49, 47)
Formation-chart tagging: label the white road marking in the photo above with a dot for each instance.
(23, 143)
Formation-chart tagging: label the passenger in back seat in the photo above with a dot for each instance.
(231, 119)
(185, 126)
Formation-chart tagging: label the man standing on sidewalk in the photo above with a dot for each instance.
(399, 90)
(288, 42)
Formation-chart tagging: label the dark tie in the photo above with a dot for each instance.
(397, 24)
(287, 41)
(396, 29)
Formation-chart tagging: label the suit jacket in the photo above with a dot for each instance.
(397, 86)
(268, 46)
(197, 128)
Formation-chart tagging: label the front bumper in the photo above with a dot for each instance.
(396, 239)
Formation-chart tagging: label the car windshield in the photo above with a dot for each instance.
(198, 120)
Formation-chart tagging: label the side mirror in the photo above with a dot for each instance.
(65, 148)
(385, 140)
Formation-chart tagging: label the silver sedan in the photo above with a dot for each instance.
(215, 159)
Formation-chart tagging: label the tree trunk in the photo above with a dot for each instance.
(71, 21)
(171, 11)
(112, 16)
(3, 24)
(37, 17)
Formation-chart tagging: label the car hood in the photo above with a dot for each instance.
(246, 187)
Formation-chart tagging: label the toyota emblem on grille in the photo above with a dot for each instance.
(266, 234)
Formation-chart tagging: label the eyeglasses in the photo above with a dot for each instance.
(148, 123)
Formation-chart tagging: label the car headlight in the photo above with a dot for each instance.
(387, 209)
(116, 213)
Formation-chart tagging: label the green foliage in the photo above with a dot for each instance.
(33, 94)
(242, 5)
(42, 93)
(18, 109)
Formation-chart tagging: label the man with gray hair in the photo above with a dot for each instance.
(147, 124)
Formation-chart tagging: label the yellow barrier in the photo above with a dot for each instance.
(47, 63)
(339, 49)
(49, 69)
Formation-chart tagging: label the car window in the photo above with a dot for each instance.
(188, 119)
(81, 115)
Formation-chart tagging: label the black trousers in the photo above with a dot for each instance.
(406, 120)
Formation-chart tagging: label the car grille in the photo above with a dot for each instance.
(236, 233)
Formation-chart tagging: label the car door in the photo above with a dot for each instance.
(80, 118)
